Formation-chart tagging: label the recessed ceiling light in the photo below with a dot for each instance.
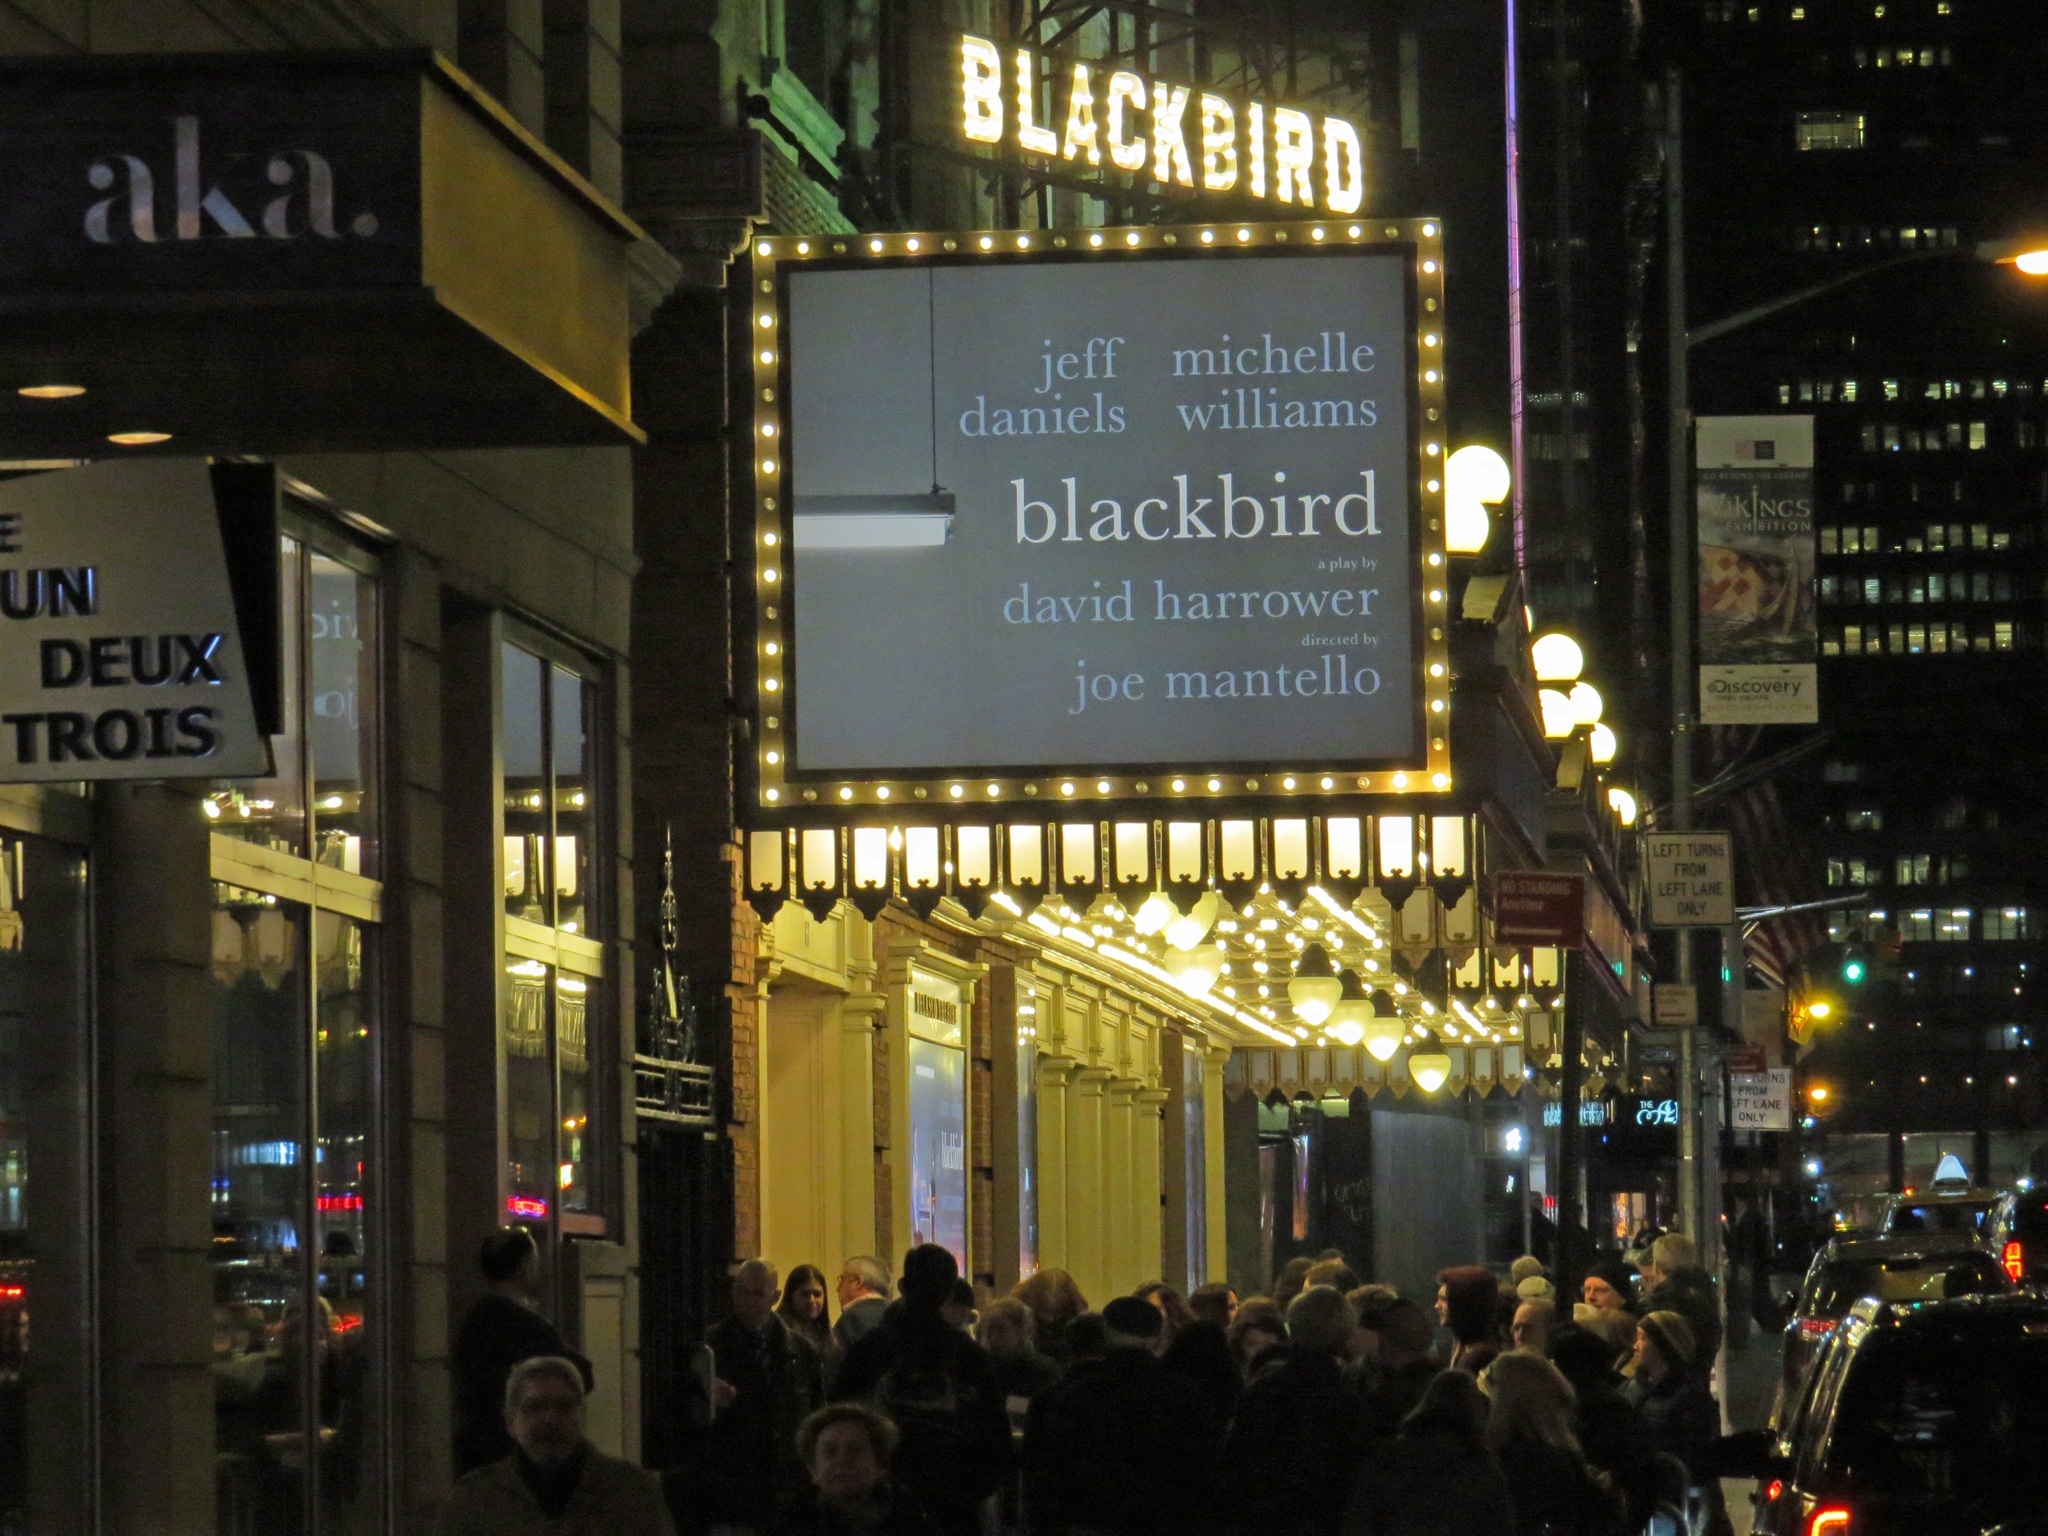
(53, 391)
(138, 439)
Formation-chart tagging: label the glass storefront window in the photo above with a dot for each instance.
(549, 790)
(548, 1099)
(294, 1310)
(1195, 1142)
(45, 1245)
(328, 616)
(553, 1000)
(342, 698)
(938, 1116)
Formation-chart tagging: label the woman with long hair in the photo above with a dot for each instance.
(802, 1310)
(1055, 1301)
(1529, 1427)
(1171, 1304)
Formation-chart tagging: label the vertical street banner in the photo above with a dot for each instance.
(1757, 639)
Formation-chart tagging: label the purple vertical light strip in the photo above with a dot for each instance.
(1516, 453)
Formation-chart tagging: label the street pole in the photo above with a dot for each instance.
(1684, 601)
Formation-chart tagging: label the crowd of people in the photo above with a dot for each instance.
(1332, 1407)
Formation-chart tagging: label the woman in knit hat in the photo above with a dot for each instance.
(1670, 1392)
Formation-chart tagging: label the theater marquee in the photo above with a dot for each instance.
(1127, 514)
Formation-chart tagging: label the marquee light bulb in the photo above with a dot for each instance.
(1605, 743)
(1624, 805)
(1586, 703)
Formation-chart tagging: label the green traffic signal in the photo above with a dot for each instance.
(1854, 968)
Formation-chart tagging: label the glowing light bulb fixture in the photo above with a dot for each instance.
(1196, 970)
(1559, 718)
(1605, 744)
(1153, 914)
(1428, 1064)
(1314, 989)
(1185, 932)
(1586, 703)
(1348, 1020)
(1385, 1030)
(1624, 805)
(1558, 659)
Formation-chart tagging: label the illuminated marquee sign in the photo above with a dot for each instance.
(1179, 135)
(1101, 514)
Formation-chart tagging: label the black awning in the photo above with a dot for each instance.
(261, 253)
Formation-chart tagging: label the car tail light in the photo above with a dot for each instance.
(2015, 1261)
(1774, 1490)
(1813, 1329)
(1828, 1520)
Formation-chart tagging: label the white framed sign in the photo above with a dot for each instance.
(122, 653)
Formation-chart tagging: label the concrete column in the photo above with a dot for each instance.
(1148, 1184)
(1121, 1190)
(1054, 1074)
(154, 905)
(1087, 1246)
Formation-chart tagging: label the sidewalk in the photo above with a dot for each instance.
(1749, 1380)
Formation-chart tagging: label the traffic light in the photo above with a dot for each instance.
(1855, 967)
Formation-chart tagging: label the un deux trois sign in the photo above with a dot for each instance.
(259, 253)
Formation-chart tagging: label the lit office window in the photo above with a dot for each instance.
(2005, 922)
(1828, 130)
(1952, 925)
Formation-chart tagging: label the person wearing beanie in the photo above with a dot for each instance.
(1124, 1444)
(936, 1383)
(1468, 1303)
(1669, 1391)
(1608, 1285)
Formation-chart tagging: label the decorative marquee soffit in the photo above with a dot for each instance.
(1222, 916)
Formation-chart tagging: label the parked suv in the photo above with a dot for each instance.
(1928, 1418)
(1900, 1269)
(2016, 1232)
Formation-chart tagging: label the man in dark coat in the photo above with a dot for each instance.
(767, 1382)
(1123, 1444)
(500, 1329)
(939, 1388)
(1609, 1432)
(1299, 1435)
(1403, 1338)
(863, 1298)
(1674, 1281)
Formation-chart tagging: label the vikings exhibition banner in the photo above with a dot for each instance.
(1757, 640)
